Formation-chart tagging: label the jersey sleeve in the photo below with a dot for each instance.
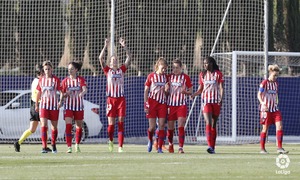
(63, 86)
(82, 82)
(123, 68)
(148, 80)
(188, 81)
(38, 87)
(58, 88)
(220, 80)
(201, 78)
(106, 69)
(262, 86)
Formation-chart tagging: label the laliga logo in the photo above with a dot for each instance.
(282, 161)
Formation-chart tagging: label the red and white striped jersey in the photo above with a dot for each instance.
(269, 93)
(157, 82)
(74, 86)
(115, 81)
(49, 96)
(177, 84)
(210, 83)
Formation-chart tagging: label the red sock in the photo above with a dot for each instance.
(181, 135)
(121, 133)
(161, 136)
(110, 131)
(213, 136)
(69, 134)
(150, 135)
(53, 137)
(44, 133)
(208, 135)
(279, 136)
(156, 135)
(170, 135)
(78, 135)
(263, 136)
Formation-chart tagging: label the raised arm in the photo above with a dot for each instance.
(128, 54)
(102, 54)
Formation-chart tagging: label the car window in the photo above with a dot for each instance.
(5, 97)
(24, 101)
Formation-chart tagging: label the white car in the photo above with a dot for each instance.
(15, 117)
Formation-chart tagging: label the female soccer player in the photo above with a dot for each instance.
(115, 104)
(155, 99)
(269, 111)
(35, 118)
(73, 89)
(180, 87)
(211, 90)
(47, 88)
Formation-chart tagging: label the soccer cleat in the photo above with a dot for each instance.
(69, 150)
(282, 151)
(155, 145)
(171, 148)
(159, 150)
(120, 150)
(17, 146)
(77, 149)
(263, 151)
(44, 151)
(180, 151)
(110, 146)
(54, 150)
(48, 149)
(210, 150)
(150, 146)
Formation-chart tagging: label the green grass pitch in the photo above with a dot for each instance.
(95, 162)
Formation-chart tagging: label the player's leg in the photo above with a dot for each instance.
(44, 133)
(155, 143)
(161, 133)
(215, 116)
(53, 117)
(34, 122)
(263, 136)
(279, 134)
(214, 131)
(28, 132)
(111, 113)
(121, 133)
(110, 132)
(121, 115)
(78, 133)
(150, 132)
(170, 134)
(209, 138)
(181, 133)
(68, 116)
(54, 133)
(207, 114)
